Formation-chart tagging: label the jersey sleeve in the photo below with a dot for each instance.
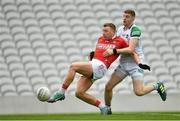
(135, 32)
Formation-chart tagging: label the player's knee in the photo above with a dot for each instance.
(138, 92)
(79, 94)
(108, 88)
(72, 67)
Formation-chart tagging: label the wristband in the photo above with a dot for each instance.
(114, 51)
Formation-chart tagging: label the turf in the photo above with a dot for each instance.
(96, 116)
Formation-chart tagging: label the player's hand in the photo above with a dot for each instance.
(144, 66)
(91, 55)
(108, 52)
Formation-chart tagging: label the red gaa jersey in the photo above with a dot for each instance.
(103, 44)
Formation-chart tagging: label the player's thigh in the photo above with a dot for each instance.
(138, 82)
(115, 79)
(84, 68)
(137, 85)
(137, 75)
(83, 84)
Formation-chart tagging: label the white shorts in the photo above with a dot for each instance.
(99, 69)
(135, 72)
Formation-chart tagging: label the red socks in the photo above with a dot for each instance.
(64, 87)
(97, 103)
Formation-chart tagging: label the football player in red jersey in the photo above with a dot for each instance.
(92, 70)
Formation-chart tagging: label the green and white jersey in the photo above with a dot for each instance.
(132, 32)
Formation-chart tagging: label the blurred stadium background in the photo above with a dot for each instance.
(40, 38)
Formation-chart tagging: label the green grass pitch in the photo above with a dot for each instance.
(96, 116)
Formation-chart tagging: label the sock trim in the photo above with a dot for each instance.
(97, 103)
(64, 86)
(155, 86)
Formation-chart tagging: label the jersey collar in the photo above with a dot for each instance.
(113, 36)
(128, 27)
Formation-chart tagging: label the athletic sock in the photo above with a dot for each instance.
(155, 86)
(108, 106)
(99, 104)
(63, 88)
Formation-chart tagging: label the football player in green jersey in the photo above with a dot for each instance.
(127, 66)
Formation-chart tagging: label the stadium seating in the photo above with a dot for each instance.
(39, 39)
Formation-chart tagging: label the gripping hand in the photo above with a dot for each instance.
(144, 66)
